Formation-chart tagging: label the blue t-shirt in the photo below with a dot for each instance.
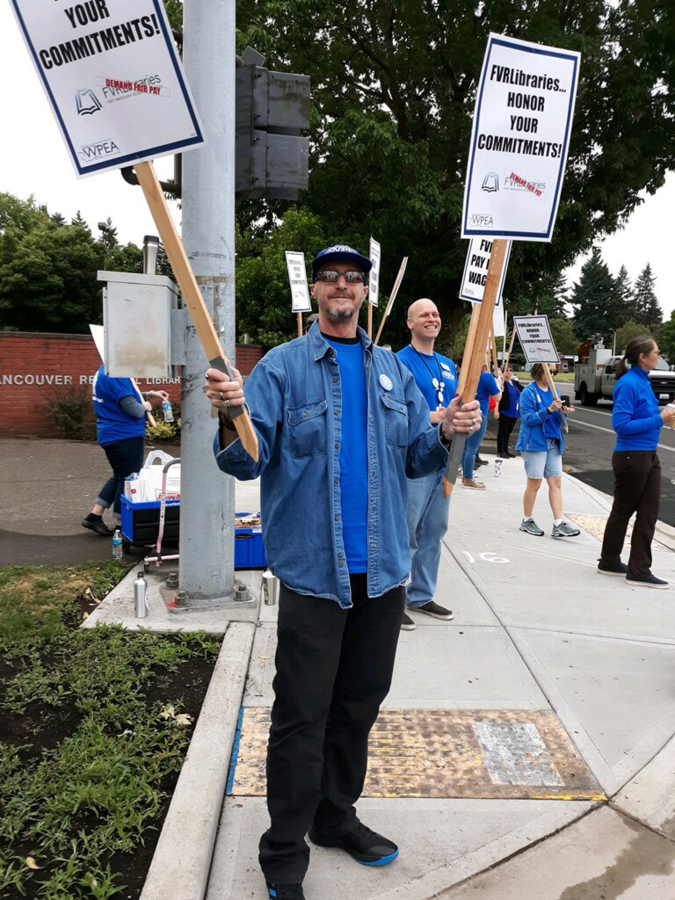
(353, 454)
(513, 410)
(425, 368)
(112, 423)
(487, 387)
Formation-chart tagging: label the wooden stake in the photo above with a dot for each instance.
(148, 415)
(192, 296)
(299, 324)
(556, 395)
(370, 321)
(468, 347)
(495, 364)
(394, 292)
(513, 337)
(475, 362)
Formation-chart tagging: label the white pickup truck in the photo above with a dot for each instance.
(595, 377)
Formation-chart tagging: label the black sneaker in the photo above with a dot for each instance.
(99, 526)
(365, 846)
(616, 569)
(407, 623)
(435, 610)
(512, 455)
(285, 891)
(650, 581)
(480, 462)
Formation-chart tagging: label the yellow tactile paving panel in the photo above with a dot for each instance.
(595, 525)
(473, 754)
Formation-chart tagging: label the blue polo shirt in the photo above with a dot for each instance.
(425, 368)
(487, 387)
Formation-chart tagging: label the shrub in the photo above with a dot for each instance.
(72, 413)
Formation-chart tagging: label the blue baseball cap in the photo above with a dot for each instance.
(340, 253)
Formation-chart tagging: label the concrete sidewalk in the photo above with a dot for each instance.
(547, 670)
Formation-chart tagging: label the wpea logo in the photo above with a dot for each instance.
(480, 220)
(98, 150)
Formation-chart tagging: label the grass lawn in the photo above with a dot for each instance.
(94, 726)
(562, 377)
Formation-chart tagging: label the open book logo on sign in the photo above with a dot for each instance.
(86, 102)
(490, 183)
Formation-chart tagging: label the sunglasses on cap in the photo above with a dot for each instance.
(330, 276)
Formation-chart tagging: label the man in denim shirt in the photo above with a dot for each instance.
(340, 424)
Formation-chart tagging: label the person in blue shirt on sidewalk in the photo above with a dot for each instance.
(120, 430)
(541, 444)
(637, 471)
(436, 377)
(487, 387)
(341, 425)
(507, 414)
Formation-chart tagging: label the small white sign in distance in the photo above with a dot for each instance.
(297, 276)
(534, 334)
(374, 275)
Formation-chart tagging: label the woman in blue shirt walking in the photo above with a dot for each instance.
(541, 444)
(637, 470)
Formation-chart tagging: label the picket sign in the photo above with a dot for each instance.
(192, 297)
(473, 365)
(375, 254)
(394, 292)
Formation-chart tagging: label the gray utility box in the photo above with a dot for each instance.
(137, 324)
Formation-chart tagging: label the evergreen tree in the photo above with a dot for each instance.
(647, 310)
(624, 291)
(667, 339)
(595, 300)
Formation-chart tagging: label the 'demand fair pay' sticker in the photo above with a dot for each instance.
(113, 78)
(520, 140)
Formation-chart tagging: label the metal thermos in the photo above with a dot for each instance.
(270, 588)
(140, 596)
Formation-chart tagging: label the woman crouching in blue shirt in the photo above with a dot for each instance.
(637, 470)
(541, 444)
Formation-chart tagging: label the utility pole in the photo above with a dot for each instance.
(207, 496)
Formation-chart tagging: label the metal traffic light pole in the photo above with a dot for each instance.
(207, 496)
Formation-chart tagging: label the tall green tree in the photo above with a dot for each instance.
(624, 291)
(562, 331)
(597, 306)
(393, 91)
(647, 310)
(667, 339)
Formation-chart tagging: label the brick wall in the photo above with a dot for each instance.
(36, 366)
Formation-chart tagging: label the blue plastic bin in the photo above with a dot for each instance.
(249, 550)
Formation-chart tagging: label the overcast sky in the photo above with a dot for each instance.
(33, 160)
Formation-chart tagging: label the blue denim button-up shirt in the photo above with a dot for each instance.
(295, 401)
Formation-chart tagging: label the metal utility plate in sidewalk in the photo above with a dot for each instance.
(595, 525)
(441, 753)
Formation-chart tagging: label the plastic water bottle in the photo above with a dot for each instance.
(168, 412)
(140, 596)
(117, 544)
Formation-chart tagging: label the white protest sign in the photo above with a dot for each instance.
(113, 78)
(535, 338)
(498, 323)
(520, 139)
(374, 276)
(475, 271)
(297, 276)
(98, 334)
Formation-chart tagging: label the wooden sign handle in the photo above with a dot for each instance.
(370, 321)
(508, 355)
(474, 363)
(299, 324)
(148, 415)
(556, 395)
(192, 296)
(397, 285)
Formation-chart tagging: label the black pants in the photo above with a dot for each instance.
(506, 424)
(125, 457)
(333, 670)
(637, 489)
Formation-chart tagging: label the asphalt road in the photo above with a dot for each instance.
(588, 454)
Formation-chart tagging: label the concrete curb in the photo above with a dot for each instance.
(182, 860)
